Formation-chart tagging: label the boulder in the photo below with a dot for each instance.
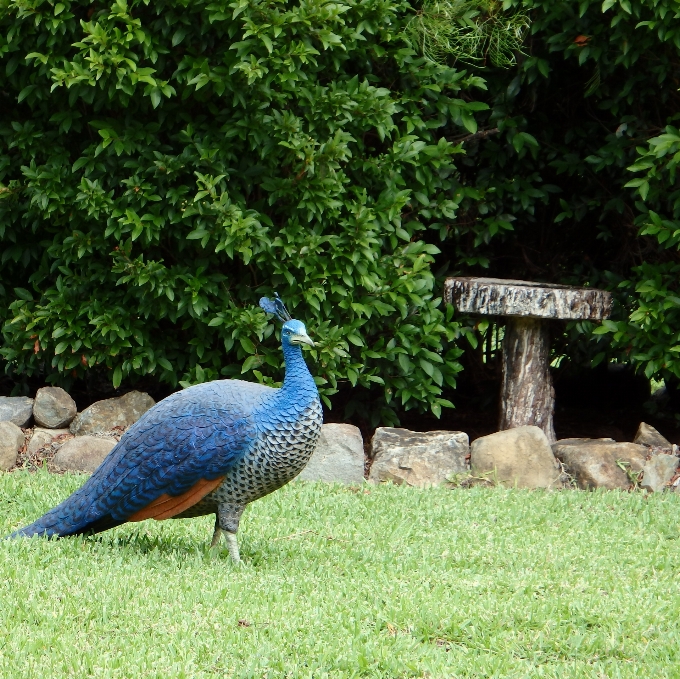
(104, 415)
(520, 457)
(339, 456)
(42, 438)
(597, 463)
(11, 439)
(53, 408)
(658, 472)
(418, 459)
(16, 409)
(649, 436)
(83, 453)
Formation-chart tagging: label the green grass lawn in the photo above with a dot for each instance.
(386, 582)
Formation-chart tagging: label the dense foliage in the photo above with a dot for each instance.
(163, 165)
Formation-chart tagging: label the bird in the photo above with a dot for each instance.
(212, 448)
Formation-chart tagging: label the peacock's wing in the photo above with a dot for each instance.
(171, 458)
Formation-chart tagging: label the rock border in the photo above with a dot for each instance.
(516, 457)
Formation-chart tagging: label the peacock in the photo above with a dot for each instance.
(212, 448)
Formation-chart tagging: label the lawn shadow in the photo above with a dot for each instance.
(143, 543)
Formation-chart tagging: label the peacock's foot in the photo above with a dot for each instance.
(232, 544)
(216, 536)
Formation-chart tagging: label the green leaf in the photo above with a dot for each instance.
(137, 231)
(469, 122)
(24, 294)
(117, 377)
(81, 162)
(427, 367)
(250, 363)
(60, 348)
(529, 139)
(404, 363)
(179, 35)
(164, 363)
(25, 92)
(247, 345)
(267, 42)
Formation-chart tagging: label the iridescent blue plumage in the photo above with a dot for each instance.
(211, 448)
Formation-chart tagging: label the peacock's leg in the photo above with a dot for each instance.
(228, 517)
(217, 534)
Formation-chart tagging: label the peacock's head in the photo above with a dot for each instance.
(292, 332)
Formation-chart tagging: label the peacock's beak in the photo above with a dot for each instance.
(302, 338)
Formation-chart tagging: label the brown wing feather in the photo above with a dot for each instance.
(167, 506)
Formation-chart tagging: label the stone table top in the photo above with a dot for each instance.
(507, 297)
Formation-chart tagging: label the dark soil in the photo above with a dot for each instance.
(607, 402)
(619, 424)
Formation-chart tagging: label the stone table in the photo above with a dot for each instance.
(527, 395)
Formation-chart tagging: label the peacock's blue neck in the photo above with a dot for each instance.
(298, 383)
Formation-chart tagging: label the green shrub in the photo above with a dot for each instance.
(166, 164)
(650, 333)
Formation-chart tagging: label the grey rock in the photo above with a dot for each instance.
(137, 403)
(104, 415)
(649, 436)
(594, 462)
(339, 456)
(42, 438)
(11, 439)
(53, 408)
(417, 459)
(658, 472)
(16, 409)
(520, 457)
(83, 453)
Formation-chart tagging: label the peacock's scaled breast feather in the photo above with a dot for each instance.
(284, 443)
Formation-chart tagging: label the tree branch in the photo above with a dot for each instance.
(480, 134)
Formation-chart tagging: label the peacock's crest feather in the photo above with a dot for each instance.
(276, 307)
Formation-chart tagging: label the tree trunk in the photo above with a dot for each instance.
(527, 395)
